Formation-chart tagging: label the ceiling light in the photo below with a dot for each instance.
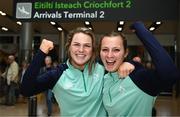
(121, 22)
(2, 13)
(87, 23)
(152, 28)
(59, 28)
(19, 23)
(90, 28)
(119, 29)
(158, 23)
(4, 28)
(53, 23)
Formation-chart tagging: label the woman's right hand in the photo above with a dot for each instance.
(46, 46)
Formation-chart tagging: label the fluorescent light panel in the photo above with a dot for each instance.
(90, 28)
(2, 13)
(59, 28)
(87, 23)
(121, 22)
(19, 23)
(53, 23)
(158, 23)
(152, 28)
(4, 28)
(119, 28)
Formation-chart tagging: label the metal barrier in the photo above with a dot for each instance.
(32, 106)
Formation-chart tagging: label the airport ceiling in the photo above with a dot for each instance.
(167, 27)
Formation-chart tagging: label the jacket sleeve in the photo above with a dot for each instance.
(166, 71)
(33, 83)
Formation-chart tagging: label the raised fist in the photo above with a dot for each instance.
(46, 46)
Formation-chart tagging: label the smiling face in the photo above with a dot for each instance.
(112, 52)
(80, 50)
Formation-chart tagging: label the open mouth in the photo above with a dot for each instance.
(110, 63)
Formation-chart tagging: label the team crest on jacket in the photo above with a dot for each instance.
(68, 85)
(96, 76)
(122, 89)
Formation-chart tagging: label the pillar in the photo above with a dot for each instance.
(62, 47)
(26, 41)
(177, 48)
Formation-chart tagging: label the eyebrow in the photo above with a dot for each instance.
(83, 43)
(113, 47)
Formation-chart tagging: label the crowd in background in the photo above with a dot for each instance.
(11, 76)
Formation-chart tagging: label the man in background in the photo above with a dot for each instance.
(11, 76)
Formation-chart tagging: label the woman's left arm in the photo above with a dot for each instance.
(166, 70)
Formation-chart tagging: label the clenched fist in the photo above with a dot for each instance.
(125, 69)
(46, 46)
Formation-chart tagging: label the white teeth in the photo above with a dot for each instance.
(110, 62)
(80, 55)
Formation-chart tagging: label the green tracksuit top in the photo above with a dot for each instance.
(121, 97)
(80, 94)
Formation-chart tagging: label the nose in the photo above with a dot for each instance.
(81, 49)
(110, 54)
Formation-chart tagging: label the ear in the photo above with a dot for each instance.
(126, 53)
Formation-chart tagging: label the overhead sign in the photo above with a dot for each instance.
(70, 10)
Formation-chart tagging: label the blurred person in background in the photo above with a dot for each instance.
(23, 68)
(48, 93)
(11, 76)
